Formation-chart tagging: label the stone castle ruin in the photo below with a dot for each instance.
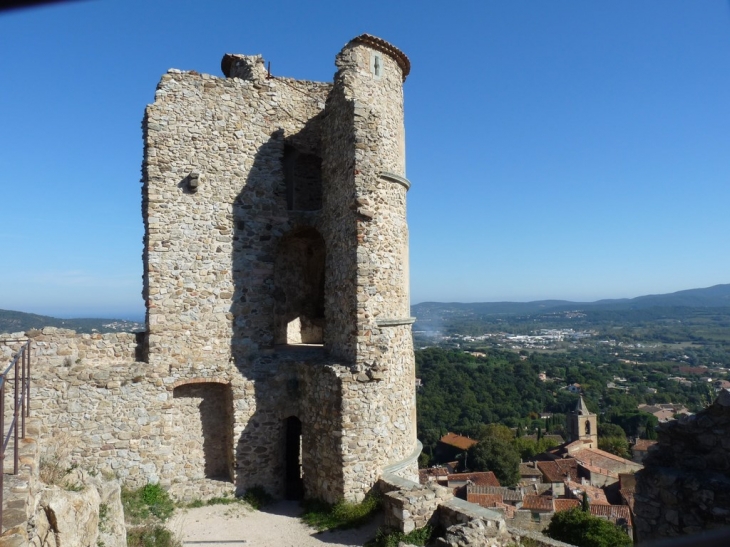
(276, 268)
(278, 348)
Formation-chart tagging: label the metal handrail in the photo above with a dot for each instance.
(21, 408)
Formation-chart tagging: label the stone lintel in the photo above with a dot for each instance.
(392, 177)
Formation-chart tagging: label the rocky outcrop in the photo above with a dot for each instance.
(685, 486)
(84, 511)
(485, 534)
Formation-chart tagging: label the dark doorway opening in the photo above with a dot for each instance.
(293, 480)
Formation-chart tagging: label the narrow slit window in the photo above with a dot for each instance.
(376, 64)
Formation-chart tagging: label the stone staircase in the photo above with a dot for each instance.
(20, 491)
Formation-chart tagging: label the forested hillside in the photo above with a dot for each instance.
(460, 392)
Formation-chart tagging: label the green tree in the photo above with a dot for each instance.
(584, 530)
(650, 433)
(496, 455)
(610, 430)
(615, 445)
(527, 448)
(497, 431)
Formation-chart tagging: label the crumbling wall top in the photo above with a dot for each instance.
(246, 67)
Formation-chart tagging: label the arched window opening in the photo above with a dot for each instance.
(293, 479)
(303, 178)
(299, 289)
(588, 427)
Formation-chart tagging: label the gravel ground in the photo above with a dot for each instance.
(276, 526)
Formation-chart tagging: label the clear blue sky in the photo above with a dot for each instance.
(564, 149)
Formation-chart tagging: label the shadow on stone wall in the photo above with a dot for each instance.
(207, 408)
(262, 226)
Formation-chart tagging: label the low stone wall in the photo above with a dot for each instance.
(456, 511)
(532, 520)
(536, 539)
(478, 533)
(63, 347)
(408, 505)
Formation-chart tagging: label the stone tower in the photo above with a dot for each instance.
(276, 272)
(582, 425)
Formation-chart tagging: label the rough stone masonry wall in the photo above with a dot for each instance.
(144, 424)
(113, 413)
(323, 435)
(379, 416)
(339, 221)
(209, 254)
(381, 396)
(382, 232)
(62, 347)
(684, 487)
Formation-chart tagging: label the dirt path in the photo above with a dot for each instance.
(276, 526)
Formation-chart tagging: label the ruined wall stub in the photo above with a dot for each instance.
(684, 487)
(275, 215)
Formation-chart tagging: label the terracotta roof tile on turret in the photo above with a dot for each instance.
(389, 49)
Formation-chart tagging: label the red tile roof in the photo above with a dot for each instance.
(563, 504)
(643, 444)
(602, 460)
(458, 441)
(485, 500)
(482, 478)
(537, 503)
(432, 473)
(528, 470)
(595, 470)
(595, 494)
(508, 494)
(537, 488)
(559, 470)
(614, 513)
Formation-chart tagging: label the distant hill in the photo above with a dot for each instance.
(17, 321)
(711, 297)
